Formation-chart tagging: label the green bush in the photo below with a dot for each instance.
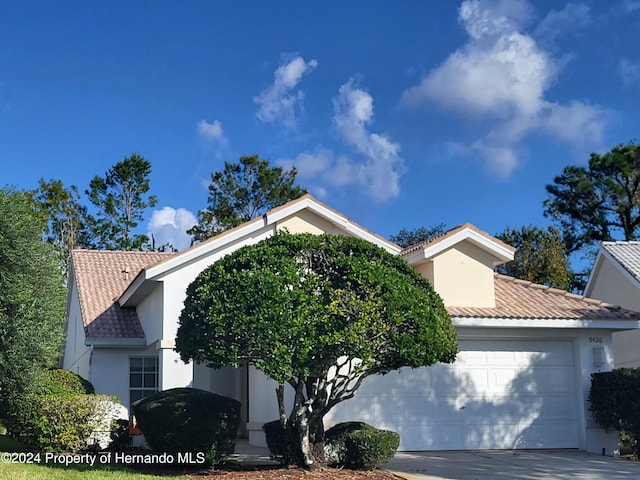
(64, 422)
(22, 417)
(615, 402)
(281, 446)
(359, 446)
(57, 381)
(189, 420)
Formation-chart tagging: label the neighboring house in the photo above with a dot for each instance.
(615, 278)
(520, 381)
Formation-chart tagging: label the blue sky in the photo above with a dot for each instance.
(398, 114)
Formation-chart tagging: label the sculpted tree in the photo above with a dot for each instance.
(317, 313)
(600, 202)
(242, 192)
(120, 199)
(540, 257)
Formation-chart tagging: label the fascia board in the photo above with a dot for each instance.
(545, 323)
(597, 264)
(115, 342)
(502, 253)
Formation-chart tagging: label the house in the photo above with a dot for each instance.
(520, 381)
(615, 278)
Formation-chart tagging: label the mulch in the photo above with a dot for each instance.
(294, 474)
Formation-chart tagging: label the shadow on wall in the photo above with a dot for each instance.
(506, 398)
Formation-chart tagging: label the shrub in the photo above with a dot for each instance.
(57, 381)
(22, 417)
(615, 402)
(65, 422)
(281, 446)
(189, 420)
(358, 445)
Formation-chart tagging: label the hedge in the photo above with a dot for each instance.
(182, 420)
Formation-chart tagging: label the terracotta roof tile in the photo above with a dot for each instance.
(101, 277)
(521, 299)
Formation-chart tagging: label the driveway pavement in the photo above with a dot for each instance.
(511, 465)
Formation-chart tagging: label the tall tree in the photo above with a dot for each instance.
(242, 192)
(406, 238)
(600, 202)
(121, 199)
(540, 257)
(32, 298)
(303, 307)
(66, 219)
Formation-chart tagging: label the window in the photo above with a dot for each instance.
(143, 377)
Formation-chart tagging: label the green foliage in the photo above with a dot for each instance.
(63, 423)
(189, 420)
(615, 402)
(56, 381)
(360, 446)
(406, 238)
(600, 202)
(540, 257)
(32, 299)
(66, 219)
(120, 198)
(302, 306)
(282, 445)
(120, 437)
(242, 192)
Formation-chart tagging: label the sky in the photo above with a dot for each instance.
(399, 114)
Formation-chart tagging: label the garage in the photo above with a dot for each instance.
(499, 394)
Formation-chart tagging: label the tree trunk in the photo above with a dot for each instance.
(310, 435)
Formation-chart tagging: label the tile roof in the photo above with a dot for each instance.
(101, 277)
(627, 254)
(450, 233)
(521, 299)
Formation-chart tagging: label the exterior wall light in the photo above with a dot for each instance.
(598, 356)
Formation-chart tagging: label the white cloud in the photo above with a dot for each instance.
(380, 172)
(211, 132)
(499, 78)
(169, 226)
(280, 102)
(375, 166)
(573, 17)
(629, 72)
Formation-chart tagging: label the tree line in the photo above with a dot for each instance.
(586, 205)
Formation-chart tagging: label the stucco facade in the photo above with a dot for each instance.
(521, 380)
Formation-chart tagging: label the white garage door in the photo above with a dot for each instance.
(498, 394)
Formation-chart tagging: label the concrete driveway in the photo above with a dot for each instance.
(511, 465)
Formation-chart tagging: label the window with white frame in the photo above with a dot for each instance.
(143, 377)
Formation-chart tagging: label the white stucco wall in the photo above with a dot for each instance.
(76, 354)
(150, 312)
(613, 286)
(110, 370)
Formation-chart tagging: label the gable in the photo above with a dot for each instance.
(306, 221)
(613, 277)
(459, 264)
(305, 214)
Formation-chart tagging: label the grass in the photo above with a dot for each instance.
(50, 471)
(43, 472)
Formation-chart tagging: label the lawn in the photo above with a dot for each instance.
(13, 465)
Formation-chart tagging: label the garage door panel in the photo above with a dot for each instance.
(513, 394)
